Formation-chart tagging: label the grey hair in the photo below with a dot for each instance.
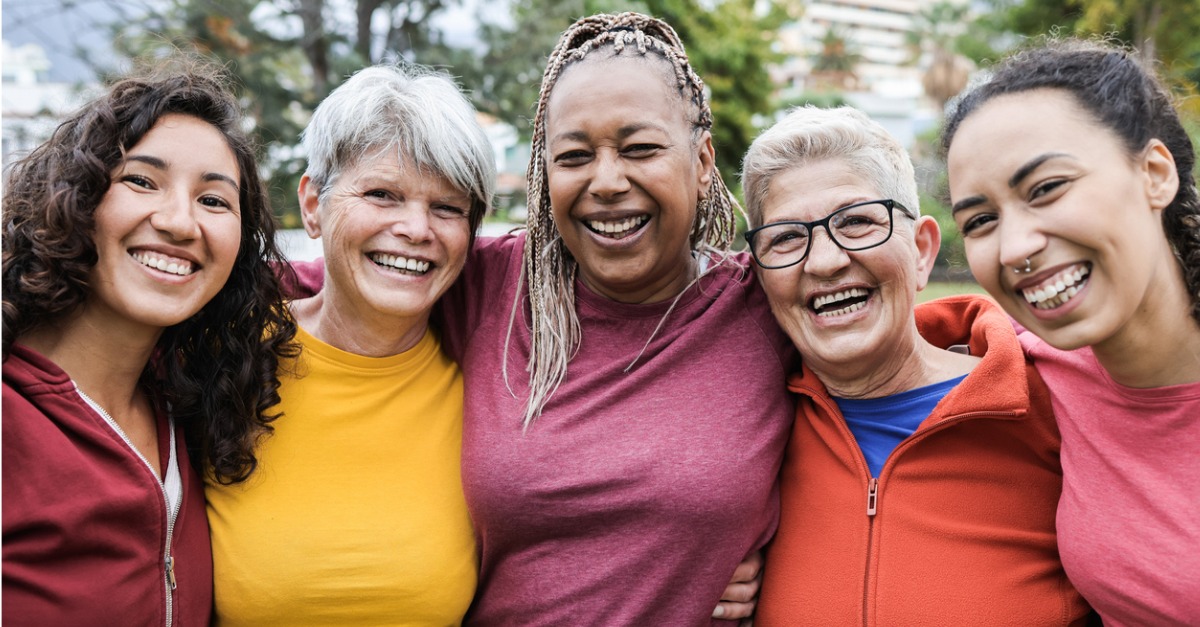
(409, 108)
(808, 135)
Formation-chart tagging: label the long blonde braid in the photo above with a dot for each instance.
(548, 267)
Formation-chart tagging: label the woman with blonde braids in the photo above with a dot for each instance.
(623, 479)
(624, 406)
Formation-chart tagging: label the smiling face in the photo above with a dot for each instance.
(395, 238)
(846, 311)
(625, 171)
(168, 229)
(1059, 189)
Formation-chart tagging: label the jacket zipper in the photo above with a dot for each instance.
(172, 512)
(872, 500)
(873, 492)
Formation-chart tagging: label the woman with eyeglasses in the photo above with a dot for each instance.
(922, 473)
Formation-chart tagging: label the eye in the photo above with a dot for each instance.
(642, 150)
(978, 224)
(450, 211)
(572, 157)
(1042, 189)
(377, 193)
(138, 180)
(215, 202)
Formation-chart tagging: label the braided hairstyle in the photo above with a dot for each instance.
(1122, 95)
(549, 267)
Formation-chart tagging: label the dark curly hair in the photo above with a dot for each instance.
(1123, 95)
(216, 371)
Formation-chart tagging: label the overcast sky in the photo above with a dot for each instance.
(81, 24)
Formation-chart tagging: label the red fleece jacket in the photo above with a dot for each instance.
(962, 531)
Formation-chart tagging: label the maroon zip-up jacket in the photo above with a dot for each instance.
(85, 518)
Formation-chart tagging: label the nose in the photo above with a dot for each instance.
(825, 257)
(609, 177)
(413, 222)
(176, 217)
(1020, 238)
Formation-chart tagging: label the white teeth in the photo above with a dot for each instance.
(1057, 290)
(169, 265)
(618, 228)
(854, 292)
(845, 310)
(401, 263)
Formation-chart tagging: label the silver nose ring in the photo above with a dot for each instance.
(1026, 270)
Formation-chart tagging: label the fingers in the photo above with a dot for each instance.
(750, 569)
(734, 611)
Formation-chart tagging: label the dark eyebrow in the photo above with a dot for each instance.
(967, 203)
(159, 164)
(1032, 165)
(214, 176)
(153, 162)
(1022, 172)
(622, 133)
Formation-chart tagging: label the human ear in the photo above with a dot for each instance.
(1162, 177)
(708, 157)
(308, 194)
(928, 237)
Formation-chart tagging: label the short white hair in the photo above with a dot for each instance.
(409, 108)
(809, 135)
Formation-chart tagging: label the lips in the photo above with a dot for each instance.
(1057, 289)
(617, 229)
(406, 265)
(164, 263)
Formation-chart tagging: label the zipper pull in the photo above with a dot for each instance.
(171, 571)
(872, 495)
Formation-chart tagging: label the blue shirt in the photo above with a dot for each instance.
(879, 424)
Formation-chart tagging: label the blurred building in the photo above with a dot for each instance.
(885, 71)
(32, 106)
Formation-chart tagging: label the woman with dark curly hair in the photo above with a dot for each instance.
(137, 296)
(1071, 181)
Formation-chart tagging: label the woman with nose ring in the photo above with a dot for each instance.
(1071, 181)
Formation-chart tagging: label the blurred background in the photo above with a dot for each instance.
(900, 61)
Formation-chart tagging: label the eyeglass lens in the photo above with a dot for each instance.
(853, 228)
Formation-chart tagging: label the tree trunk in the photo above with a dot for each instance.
(315, 45)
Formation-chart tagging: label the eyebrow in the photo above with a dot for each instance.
(159, 164)
(622, 133)
(1014, 180)
(1032, 165)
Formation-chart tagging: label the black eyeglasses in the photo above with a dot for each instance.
(856, 227)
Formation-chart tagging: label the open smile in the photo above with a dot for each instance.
(617, 229)
(164, 263)
(840, 303)
(402, 265)
(1058, 289)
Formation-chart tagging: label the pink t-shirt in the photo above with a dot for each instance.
(633, 497)
(1129, 516)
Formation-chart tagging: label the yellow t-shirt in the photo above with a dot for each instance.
(355, 514)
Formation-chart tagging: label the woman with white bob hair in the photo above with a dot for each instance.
(922, 473)
(356, 512)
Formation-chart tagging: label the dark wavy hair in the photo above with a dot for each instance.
(216, 371)
(1121, 94)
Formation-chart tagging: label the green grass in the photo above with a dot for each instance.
(940, 289)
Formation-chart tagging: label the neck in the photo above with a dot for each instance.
(106, 360)
(915, 364)
(353, 330)
(1159, 346)
(665, 289)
